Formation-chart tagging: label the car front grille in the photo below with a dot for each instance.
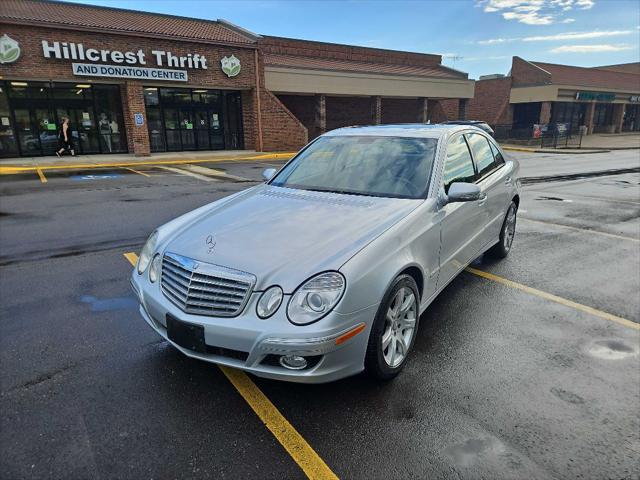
(203, 288)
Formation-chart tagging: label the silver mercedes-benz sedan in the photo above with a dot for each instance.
(323, 271)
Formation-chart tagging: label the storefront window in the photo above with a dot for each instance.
(37, 108)
(603, 114)
(185, 119)
(8, 144)
(568, 112)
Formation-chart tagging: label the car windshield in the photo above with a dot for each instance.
(363, 165)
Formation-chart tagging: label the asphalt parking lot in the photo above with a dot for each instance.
(525, 368)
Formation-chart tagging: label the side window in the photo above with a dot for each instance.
(496, 154)
(458, 167)
(481, 153)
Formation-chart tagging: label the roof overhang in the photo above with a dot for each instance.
(563, 93)
(330, 82)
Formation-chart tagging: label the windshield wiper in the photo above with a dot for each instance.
(344, 192)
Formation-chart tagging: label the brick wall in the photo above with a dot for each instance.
(347, 111)
(281, 129)
(304, 109)
(491, 101)
(524, 73)
(443, 110)
(400, 110)
(289, 46)
(132, 103)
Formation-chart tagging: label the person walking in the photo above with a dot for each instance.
(65, 141)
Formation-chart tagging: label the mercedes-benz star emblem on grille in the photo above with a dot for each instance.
(211, 243)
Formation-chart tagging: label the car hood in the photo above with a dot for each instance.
(283, 235)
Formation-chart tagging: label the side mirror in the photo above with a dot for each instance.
(463, 192)
(268, 174)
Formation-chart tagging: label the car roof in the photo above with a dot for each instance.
(409, 130)
(464, 122)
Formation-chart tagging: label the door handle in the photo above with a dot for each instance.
(507, 181)
(482, 199)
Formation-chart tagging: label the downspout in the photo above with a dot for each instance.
(259, 122)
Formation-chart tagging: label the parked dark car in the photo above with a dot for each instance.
(476, 123)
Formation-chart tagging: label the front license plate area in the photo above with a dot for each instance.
(187, 335)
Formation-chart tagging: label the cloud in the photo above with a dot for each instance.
(591, 48)
(559, 37)
(534, 12)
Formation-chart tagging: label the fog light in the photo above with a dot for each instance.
(293, 362)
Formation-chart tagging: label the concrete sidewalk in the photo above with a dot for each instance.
(30, 164)
(598, 142)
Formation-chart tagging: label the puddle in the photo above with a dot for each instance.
(567, 396)
(108, 304)
(105, 176)
(474, 450)
(612, 349)
(557, 199)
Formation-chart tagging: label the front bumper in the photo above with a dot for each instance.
(251, 344)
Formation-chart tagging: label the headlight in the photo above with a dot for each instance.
(154, 270)
(147, 251)
(315, 298)
(269, 302)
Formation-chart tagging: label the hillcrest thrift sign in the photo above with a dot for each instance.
(9, 49)
(230, 66)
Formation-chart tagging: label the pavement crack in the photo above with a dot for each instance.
(43, 378)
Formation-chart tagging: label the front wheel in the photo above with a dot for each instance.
(508, 232)
(394, 329)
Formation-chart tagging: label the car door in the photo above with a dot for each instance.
(492, 182)
(462, 223)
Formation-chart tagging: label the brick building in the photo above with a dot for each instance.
(140, 83)
(603, 99)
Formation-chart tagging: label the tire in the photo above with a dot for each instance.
(507, 234)
(385, 362)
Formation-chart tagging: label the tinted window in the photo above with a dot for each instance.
(497, 155)
(363, 165)
(458, 166)
(481, 153)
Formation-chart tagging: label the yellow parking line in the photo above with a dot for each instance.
(43, 179)
(555, 298)
(581, 230)
(15, 169)
(306, 457)
(136, 171)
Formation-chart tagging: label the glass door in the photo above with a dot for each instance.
(186, 129)
(27, 134)
(47, 129)
(172, 129)
(201, 126)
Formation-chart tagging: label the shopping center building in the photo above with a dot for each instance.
(601, 99)
(142, 83)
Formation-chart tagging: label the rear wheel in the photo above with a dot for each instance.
(394, 329)
(507, 234)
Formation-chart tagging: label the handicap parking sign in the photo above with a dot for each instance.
(139, 118)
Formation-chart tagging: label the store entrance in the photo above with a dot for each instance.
(199, 119)
(32, 113)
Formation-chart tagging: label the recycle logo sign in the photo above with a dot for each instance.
(9, 49)
(230, 66)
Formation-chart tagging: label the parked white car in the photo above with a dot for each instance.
(323, 271)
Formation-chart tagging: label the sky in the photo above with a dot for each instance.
(475, 36)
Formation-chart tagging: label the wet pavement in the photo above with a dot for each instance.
(502, 383)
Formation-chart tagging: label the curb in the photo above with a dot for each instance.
(15, 169)
(559, 151)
